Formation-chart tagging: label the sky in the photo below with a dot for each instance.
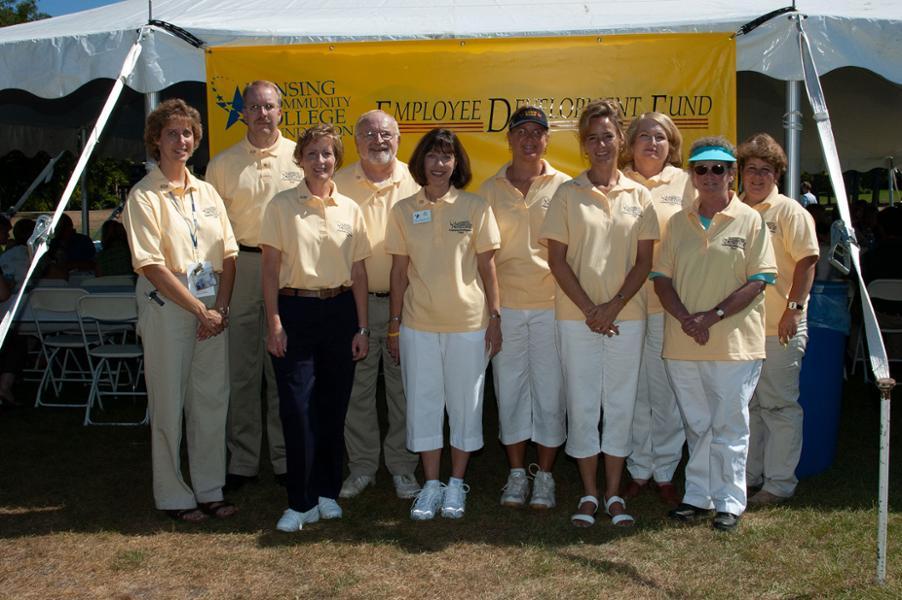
(55, 8)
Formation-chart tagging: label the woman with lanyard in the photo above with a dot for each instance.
(710, 273)
(444, 325)
(184, 252)
(315, 291)
(775, 417)
(600, 230)
(652, 154)
(528, 381)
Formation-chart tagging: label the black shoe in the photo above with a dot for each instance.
(281, 479)
(725, 521)
(235, 482)
(688, 513)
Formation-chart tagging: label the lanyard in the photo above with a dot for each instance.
(191, 230)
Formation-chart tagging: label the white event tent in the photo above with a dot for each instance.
(858, 45)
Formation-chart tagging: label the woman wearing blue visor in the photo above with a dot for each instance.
(714, 263)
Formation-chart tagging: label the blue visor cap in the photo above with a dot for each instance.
(712, 153)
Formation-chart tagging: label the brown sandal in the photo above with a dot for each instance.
(219, 509)
(187, 515)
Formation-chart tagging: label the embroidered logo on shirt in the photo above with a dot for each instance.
(772, 226)
(345, 228)
(546, 202)
(461, 226)
(737, 243)
(291, 176)
(211, 211)
(632, 210)
(670, 199)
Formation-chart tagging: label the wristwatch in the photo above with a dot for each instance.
(719, 312)
(795, 305)
(364, 331)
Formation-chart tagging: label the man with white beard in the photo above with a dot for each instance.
(377, 182)
(247, 176)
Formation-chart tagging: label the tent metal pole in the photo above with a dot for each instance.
(792, 123)
(886, 389)
(151, 101)
(891, 171)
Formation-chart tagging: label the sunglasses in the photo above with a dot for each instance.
(703, 170)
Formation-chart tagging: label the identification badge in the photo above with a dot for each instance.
(201, 279)
(422, 216)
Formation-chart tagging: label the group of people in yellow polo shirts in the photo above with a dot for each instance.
(637, 295)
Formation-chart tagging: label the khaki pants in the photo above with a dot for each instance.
(362, 423)
(183, 376)
(249, 363)
(775, 418)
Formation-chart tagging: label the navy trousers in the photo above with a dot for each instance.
(314, 379)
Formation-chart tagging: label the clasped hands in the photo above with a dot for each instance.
(211, 322)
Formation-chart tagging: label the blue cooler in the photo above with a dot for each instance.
(821, 381)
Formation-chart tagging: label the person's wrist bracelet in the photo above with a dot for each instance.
(393, 334)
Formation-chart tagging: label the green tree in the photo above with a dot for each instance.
(13, 12)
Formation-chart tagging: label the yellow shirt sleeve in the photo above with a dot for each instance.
(270, 231)
(664, 262)
(761, 255)
(395, 242)
(488, 236)
(143, 228)
(555, 226)
(362, 248)
(800, 237)
(648, 221)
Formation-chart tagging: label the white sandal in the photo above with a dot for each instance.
(584, 518)
(623, 517)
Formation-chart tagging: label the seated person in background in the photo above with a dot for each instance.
(115, 258)
(72, 250)
(807, 198)
(15, 260)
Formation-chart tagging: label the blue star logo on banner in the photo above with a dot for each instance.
(233, 107)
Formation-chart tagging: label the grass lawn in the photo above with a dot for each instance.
(77, 521)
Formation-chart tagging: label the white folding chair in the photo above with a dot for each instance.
(879, 289)
(108, 282)
(53, 311)
(111, 318)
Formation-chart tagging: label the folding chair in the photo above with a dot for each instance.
(111, 318)
(879, 289)
(53, 311)
(109, 284)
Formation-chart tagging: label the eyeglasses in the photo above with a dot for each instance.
(264, 107)
(379, 135)
(535, 134)
(753, 171)
(703, 170)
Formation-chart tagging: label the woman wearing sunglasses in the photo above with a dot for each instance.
(709, 275)
(652, 157)
(600, 231)
(776, 417)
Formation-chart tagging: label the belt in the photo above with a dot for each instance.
(321, 294)
(244, 248)
(379, 294)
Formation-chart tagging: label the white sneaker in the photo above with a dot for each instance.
(542, 490)
(428, 501)
(516, 489)
(329, 508)
(455, 501)
(293, 520)
(406, 486)
(355, 484)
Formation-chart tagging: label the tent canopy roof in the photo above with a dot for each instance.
(54, 57)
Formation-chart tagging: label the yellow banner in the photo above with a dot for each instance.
(472, 87)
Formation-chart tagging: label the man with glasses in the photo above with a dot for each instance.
(247, 176)
(377, 182)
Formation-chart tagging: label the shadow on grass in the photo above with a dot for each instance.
(61, 476)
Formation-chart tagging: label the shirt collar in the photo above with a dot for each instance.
(774, 197)
(270, 151)
(448, 198)
(162, 183)
(548, 171)
(306, 196)
(666, 175)
(731, 210)
(398, 172)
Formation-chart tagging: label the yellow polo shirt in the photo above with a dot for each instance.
(442, 238)
(670, 189)
(319, 238)
(159, 221)
(602, 233)
(706, 266)
(522, 262)
(247, 178)
(793, 238)
(376, 201)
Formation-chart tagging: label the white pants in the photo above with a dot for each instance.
(714, 399)
(657, 437)
(600, 375)
(443, 371)
(528, 379)
(775, 417)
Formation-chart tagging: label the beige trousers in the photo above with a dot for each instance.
(250, 363)
(362, 434)
(184, 376)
